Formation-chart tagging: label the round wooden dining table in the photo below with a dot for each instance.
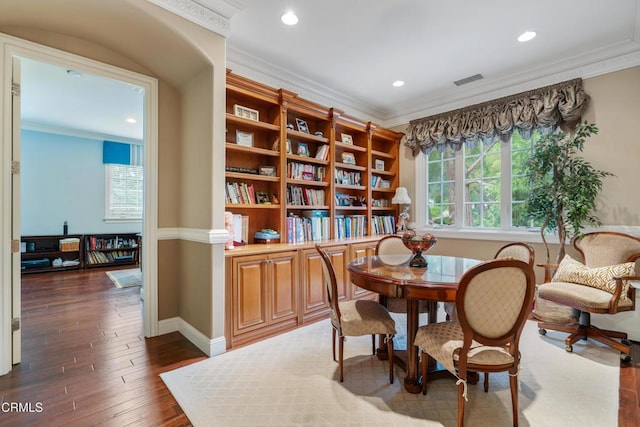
(391, 276)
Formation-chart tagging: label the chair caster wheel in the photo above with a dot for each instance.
(623, 356)
(542, 331)
(568, 348)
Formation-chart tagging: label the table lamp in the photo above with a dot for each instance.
(402, 198)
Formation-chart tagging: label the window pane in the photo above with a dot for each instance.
(519, 216)
(491, 215)
(474, 191)
(448, 192)
(125, 191)
(519, 162)
(491, 190)
(448, 170)
(472, 167)
(520, 189)
(435, 168)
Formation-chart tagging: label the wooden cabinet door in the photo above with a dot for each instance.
(314, 292)
(340, 258)
(284, 280)
(249, 289)
(359, 250)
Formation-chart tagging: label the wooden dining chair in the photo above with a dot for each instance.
(493, 302)
(355, 318)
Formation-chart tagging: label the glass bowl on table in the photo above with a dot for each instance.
(418, 244)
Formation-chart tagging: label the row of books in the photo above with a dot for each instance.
(323, 152)
(378, 182)
(381, 203)
(305, 196)
(109, 257)
(98, 243)
(312, 226)
(306, 171)
(347, 177)
(240, 192)
(350, 226)
(343, 199)
(383, 224)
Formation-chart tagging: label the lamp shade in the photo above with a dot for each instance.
(401, 197)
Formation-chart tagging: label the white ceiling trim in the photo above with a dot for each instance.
(213, 15)
(267, 73)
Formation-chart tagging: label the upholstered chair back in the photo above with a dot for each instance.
(601, 249)
(518, 250)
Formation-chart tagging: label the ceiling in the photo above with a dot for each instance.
(346, 54)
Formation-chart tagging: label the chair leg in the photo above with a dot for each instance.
(390, 353)
(513, 382)
(461, 401)
(373, 344)
(424, 360)
(333, 342)
(486, 382)
(340, 354)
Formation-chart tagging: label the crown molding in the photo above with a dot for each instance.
(213, 15)
(597, 62)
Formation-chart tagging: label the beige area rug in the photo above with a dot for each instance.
(126, 278)
(290, 380)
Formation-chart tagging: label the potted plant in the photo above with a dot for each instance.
(564, 186)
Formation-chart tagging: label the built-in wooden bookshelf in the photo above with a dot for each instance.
(305, 170)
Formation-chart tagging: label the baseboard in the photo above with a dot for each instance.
(210, 347)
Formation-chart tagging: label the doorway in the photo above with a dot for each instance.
(19, 49)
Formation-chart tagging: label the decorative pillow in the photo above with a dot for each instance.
(573, 271)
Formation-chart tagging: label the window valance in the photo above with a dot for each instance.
(545, 109)
(122, 154)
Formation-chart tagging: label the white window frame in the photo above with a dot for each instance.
(109, 217)
(457, 231)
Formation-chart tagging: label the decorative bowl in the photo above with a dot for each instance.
(418, 244)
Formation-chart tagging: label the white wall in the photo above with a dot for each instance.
(62, 179)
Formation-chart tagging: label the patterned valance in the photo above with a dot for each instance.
(545, 109)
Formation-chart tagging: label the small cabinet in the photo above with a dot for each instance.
(263, 295)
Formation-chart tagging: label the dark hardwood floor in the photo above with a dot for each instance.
(85, 360)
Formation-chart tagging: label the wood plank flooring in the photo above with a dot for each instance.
(86, 362)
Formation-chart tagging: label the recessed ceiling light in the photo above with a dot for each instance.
(398, 83)
(131, 120)
(290, 18)
(74, 73)
(526, 36)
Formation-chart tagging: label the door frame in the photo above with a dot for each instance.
(14, 47)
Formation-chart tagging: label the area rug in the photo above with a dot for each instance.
(126, 278)
(290, 380)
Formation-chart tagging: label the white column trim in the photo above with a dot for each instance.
(200, 235)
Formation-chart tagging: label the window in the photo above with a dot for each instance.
(487, 182)
(124, 192)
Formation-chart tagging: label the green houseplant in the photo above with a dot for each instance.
(564, 185)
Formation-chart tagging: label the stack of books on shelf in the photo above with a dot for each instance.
(378, 182)
(323, 152)
(347, 177)
(99, 243)
(380, 203)
(306, 171)
(312, 226)
(300, 196)
(383, 224)
(108, 257)
(240, 193)
(350, 226)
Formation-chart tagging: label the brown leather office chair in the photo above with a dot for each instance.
(493, 302)
(600, 285)
(355, 318)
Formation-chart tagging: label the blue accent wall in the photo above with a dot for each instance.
(63, 179)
